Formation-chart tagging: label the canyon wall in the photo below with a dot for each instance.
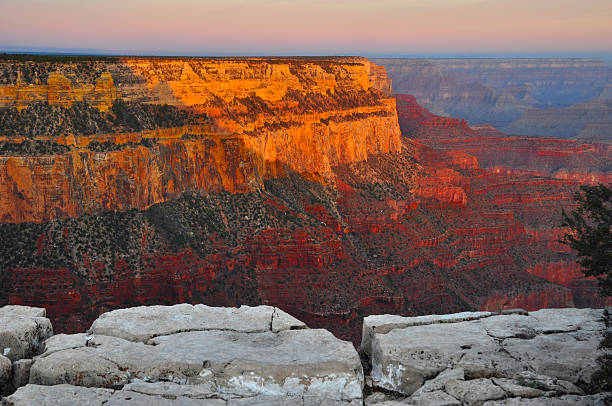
(296, 190)
(501, 153)
(532, 177)
(305, 115)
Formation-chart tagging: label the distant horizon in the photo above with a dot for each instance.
(605, 56)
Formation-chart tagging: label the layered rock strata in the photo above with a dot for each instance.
(304, 115)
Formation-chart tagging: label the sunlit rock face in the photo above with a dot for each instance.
(297, 190)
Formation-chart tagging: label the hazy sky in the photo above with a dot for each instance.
(300, 27)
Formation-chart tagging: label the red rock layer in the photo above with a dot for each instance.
(338, 217)
(511, 155)
(523, 178)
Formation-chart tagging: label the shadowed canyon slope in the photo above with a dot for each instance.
(277, 181)
(561, 97)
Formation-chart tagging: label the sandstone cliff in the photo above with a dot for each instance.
(303, 115)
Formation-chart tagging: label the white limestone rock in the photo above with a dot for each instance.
(403, 359)
(439, 381)
(21, 373)
(568, 400)
(567, 320)
(22, 331)
(382, 324)
(310, 363)
(561, 344)
(513, 389)
(474, 392)
(146, 322)
(27, 311)
(5, 373)
(435, 398)
(561, 355)
(59, 395)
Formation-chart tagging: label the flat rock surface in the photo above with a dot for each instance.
(22, 331)
(145, 322)
(153, 394)
(568, 400)
(384, 323)
(487, 357)
(244, 352)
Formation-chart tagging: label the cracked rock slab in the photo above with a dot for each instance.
(562, 355)
(382, 324)
(560, 343)
(22, 331)
(474, 392)
(59, 395)
(439, 381)
(146, 322)
(404, 358)
(569, 400)
(435, 398)
(153, 394)
(298, 362)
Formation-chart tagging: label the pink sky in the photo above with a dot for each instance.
(367, 27)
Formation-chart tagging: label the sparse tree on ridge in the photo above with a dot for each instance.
(590, 233)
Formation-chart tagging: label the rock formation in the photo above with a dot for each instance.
(184, 354)
(295, 189)
(501, 153)
(517, 96)
(543, 357)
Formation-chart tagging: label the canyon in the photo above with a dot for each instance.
(305, 185)
(554, 97)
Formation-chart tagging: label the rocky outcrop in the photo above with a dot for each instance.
(200, 355)
(196, 353)
(543, 357)
(23, 331)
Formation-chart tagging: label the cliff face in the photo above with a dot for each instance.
(306, 116)
(513, 155)
(299, 191)
(59, 90)
(531, 177)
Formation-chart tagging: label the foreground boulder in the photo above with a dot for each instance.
(23, 330)
(202, 352)
(473, 358)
